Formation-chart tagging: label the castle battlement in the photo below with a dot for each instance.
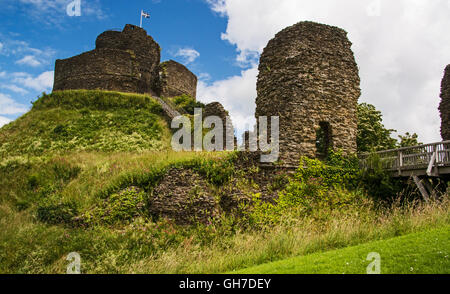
(125, 61)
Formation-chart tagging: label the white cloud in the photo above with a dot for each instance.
(15, 89)
(204, 76)
(25, 53)
(2, 74)
(1, 46)
(43, 82)
(29, 60)
(189, 55)
(53, 12)
(8, 106)
(401, 53)
(4, 121)
(20, 74)
(237, 94)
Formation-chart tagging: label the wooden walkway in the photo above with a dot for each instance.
(425, 164)
(432, 160)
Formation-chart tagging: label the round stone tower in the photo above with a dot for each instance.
(126, 61)
(309, 78)
(445, 105)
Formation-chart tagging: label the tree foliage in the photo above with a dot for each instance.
(374, 136)
(409, 140)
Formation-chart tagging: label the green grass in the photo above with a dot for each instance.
(31, 241)
(39, 196)
(421, 253)
(86, 121)
(98, 155)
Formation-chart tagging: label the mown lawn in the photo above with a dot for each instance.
(420, 253)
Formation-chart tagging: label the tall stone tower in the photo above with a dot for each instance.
(309, 78)
(445, 105)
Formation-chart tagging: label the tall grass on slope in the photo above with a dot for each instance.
(86, 121)
(27, 246)
(295, 238)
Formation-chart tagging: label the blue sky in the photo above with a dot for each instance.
(35, 33)
(401, 48)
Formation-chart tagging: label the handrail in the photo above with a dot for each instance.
(425, 156)
(406, 148)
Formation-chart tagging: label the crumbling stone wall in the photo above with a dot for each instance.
(105, 69)
(308, 76)
(176, 80)
(445, 105)
(217, 109)
(185, 197)
(126, 61)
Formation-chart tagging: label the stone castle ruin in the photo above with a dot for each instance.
(309, 78)
(176, 80)
(129, 61)
(125, 61)
(445, 105)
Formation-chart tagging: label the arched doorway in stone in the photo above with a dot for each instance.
(323, 140)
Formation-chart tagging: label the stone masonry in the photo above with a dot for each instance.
(176, 80)
(125, 61)
(309, 78)
(445, 105)
(217, 109)
(183, 196)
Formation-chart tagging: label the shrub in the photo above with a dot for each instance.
(217, 172)
(377, 182)
(60, 131)
(187, 103)
(33, 182)
(120, 207)
(55, 212)
(316, 189)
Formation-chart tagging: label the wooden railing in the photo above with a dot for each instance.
(428, 158)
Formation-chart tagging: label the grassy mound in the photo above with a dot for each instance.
(86, 121)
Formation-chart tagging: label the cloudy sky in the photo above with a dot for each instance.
(401, 47)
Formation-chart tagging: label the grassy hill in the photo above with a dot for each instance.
(86, 121)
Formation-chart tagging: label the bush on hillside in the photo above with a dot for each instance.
(377, 182)
(187, 103)
(56, 212)
(316, 189)
(120, 207)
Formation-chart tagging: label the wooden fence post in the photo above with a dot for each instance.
(400, 162)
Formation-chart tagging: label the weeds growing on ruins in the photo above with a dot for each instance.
(49, 208)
